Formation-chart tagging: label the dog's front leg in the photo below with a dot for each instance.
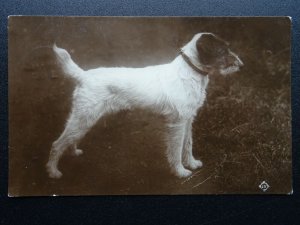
(175, 139)
(187, 155)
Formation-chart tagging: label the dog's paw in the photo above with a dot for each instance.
(53, 172)
(182, 172)
(194, 164)
(77, 152)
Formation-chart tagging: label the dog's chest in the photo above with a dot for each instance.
(196, 91)
(196, 94)
(190, 96)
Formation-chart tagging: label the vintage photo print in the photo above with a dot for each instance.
(149, 105)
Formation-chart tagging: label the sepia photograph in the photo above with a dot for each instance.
(149, 105)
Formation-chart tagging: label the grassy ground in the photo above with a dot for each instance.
(250, 126)
(242, 134)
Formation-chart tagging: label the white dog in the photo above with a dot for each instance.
(175, 90)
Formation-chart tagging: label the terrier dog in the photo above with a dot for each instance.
(176, 90)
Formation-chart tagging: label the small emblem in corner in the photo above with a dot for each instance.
(264, 186)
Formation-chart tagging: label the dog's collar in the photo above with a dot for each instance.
(189, 62)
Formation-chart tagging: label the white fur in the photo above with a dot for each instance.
(175, 90)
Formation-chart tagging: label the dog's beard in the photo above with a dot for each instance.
(229, 70)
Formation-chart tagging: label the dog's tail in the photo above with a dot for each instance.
(67, 64)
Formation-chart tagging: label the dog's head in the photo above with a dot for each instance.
(212, 54)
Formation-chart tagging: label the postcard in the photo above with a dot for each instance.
(149, 105)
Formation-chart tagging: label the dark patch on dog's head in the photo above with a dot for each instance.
(213, 52)
(210, 48)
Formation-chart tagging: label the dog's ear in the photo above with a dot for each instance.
(210, 48)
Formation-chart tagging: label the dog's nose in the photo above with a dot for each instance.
(240, 62)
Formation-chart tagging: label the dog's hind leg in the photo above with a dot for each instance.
(77, 126)
(175, 138)
(187, 154)
(58, 148)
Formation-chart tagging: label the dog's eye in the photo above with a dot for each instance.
(222, 51)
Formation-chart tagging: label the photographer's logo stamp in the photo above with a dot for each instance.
(264, 186)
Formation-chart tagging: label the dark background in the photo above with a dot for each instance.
(242, 134)
(156, 209)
